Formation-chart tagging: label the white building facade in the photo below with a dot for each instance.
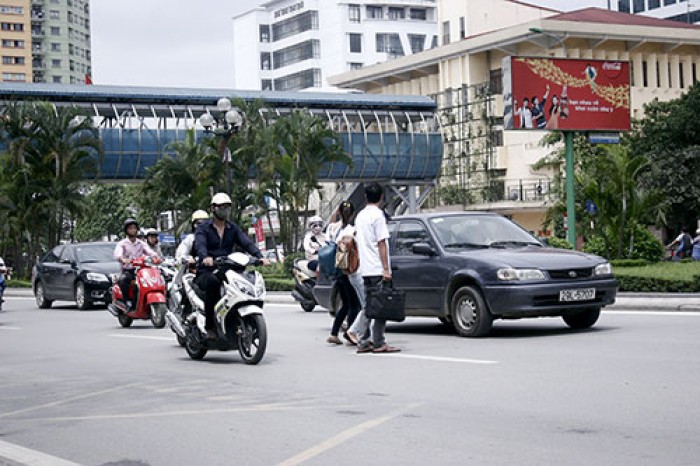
(290, 45)
(685, 11)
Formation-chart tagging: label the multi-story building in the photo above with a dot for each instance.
(15, 33)
(485, 166)
(685, 11)
(289, 45)
(45, 41)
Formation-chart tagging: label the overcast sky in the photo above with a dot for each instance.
(178, 43)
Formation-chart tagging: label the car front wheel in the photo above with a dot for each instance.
(470, 316)
(582, 319)
(81, 298)
(40, 296)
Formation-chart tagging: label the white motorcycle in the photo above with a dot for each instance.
(179, 306)
(240, 322)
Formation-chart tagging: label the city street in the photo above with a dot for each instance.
(77, 386)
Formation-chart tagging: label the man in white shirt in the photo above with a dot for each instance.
(372, 240)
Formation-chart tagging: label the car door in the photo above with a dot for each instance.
(65, 277)
(49, 269)
(421, 276)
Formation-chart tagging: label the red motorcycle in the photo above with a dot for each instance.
(149, 293)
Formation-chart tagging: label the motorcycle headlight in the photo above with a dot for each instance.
(511, 274)
(259, 285)
(603, 270)
(96, 277)
(245, 286)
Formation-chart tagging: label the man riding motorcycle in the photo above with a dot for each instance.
(186, 247)
(215, 238)
(127, 249)
(153, 241)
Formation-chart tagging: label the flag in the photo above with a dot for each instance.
(88, 79)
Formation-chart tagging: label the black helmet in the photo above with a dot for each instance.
(130, 221)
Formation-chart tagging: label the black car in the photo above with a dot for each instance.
(80, 272)
(469, 268)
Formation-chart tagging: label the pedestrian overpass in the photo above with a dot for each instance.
(394, 140)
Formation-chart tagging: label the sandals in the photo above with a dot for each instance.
(386, 349)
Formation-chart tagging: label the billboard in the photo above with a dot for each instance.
(566, 94)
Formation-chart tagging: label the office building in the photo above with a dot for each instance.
(685, 11)
(45, 41)
(289, 45)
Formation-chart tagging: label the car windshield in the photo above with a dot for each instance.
(95, 253)
(480, 232)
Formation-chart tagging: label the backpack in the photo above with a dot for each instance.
(326, 259)
(347, 258)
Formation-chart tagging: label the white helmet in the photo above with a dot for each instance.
(220, 198)
(315, 219)
(151, 231)
(199, 215)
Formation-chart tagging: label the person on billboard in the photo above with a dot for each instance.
(524, 113)
(557, 110)
(539, 119)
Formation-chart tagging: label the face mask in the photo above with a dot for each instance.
(222, 213)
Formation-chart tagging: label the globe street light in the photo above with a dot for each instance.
(225, 125)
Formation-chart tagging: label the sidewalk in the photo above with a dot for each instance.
(689, 302)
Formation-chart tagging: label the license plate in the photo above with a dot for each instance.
(584, 294)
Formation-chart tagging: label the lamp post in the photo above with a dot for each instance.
(569, 167)
(225, 125)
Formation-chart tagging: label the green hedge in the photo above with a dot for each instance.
(18, 284)
(661, 277)
(279, 284)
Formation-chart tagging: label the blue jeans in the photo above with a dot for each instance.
(361, 326)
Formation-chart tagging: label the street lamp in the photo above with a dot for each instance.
(228, 123)
(569, 151)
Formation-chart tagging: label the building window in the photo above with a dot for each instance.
(11, 10)
(297, 81)
(645, 74)
(496, 138)
(390, 43)
(55, 31)
(654, 4)
(266, 84)
(16, 27)
(57, 79)
(375, 12)
(7, 60)
(55, 47)
(462, 28)
(265, 61)
(496, 81)
(14, 77)
(354, 13)
(264, 33)
(418, 14)
(55, 63)
(355, 66)
(434, 42)
(54, 14)
(445, 32)
(355, 43)
(669, 2)
(296, 53)
(396, 13)
(13, 44)
(624, 6)
(695, 73)
(681, 76)
(417, 42)
(638, 6)
(295, 25)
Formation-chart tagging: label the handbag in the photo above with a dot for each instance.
(386, 302)
(347, 258)
(326, 259)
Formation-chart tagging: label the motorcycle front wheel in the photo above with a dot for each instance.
(194, 348)
(158, 311)
(253, 339)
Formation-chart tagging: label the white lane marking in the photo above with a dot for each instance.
(23, 455)
(655, 313)
(68, 400)
(2, 327)
(345, 436)
(429, 358)
(143, 337)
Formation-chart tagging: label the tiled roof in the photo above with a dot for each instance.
(600, 15)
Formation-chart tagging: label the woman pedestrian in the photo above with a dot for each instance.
(351, 305)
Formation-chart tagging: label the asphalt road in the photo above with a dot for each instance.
(74, 385)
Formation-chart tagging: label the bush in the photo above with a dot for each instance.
(629, 262)
(645, 247)
(279, 284)
(556, 242)
(289, 260)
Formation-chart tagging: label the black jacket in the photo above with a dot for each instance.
(208, 243)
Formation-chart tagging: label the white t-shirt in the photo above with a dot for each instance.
(371, 229)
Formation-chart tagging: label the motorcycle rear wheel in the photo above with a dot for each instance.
(125, 321)
(158, 311)
(194, 348)
(253, 340)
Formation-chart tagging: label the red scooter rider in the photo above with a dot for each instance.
(126, 250)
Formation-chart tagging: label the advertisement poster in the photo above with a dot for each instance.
(566, 94)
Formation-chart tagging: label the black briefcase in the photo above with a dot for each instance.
(386, 302)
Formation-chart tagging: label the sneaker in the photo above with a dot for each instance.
(334, 340)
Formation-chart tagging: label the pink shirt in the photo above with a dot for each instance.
(126, 249)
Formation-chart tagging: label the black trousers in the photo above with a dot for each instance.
(125, 279)
(207, 282)
(350, 307)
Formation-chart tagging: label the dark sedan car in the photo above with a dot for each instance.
(79, 272)
(469, 268)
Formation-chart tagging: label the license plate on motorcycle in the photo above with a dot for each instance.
(583, 294)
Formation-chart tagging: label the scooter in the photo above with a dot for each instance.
(304, 282)
(240, 322)
(179, 306)
(149, 294)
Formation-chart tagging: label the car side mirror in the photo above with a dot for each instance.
(423, 249)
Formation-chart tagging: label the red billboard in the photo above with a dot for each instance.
(566, 94)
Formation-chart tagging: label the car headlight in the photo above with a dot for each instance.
(96, 277)
(510, 274)
(602, 270)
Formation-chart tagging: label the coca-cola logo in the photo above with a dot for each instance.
(612, 69)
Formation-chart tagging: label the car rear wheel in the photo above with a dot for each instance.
(470, 316)
(81, 298)
(40, 296)
(582, 319)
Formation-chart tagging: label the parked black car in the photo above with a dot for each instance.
(469, 268)
(80, 272)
